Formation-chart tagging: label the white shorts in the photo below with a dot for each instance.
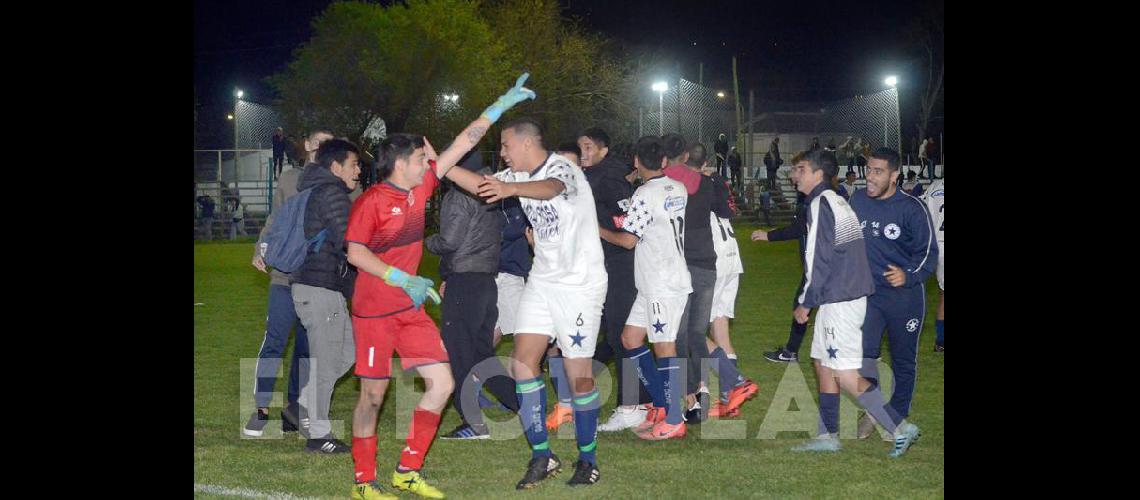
(837, 341)
(660, 317)
(510, 292)
(724, 296)
(941, 260)
(571, 316)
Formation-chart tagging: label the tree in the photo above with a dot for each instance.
(929, 31)
(579, 82)
(396, 62)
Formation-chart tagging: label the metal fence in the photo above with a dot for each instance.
(237, 182)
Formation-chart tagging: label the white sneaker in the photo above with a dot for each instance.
(624, 417)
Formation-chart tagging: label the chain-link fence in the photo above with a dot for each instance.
(231, 185)
(255, 125)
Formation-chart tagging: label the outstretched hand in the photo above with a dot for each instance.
(514, 95)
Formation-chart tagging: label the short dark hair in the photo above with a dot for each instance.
(850, 173)
(570, 147)
(821, 159)
(674, 144)
(335, 151)
(596, 134)
(525, 126)
(889, 155)
(910, 175)
(392, 148)
(623, 152)
(698, 154)
(649, 150)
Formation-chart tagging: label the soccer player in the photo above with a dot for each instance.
(563, 295)
(902, 254)
(701, 259)
(728, 269)
(282, 316)
(385, 235)
(838, 281)
(934, 204)
(789, 353)
(654, 227)
(606, 173)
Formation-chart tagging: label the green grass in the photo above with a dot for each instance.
(230, 325)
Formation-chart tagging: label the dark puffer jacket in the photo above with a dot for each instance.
(470, 233)
(328, 208)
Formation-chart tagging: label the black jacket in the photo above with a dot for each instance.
(610, 188)
(328, 208)
(470, 234)
(699, 250)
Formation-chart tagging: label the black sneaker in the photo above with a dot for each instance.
(256, 425)
(585, 474)
(699, 412)
(939, 348)
(289, 419)
(782, 355)
(466, 431)
(538, 469)
(327, 446)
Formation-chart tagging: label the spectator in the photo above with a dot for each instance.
(206, 216)
(721, 150)
(237, 219)
(772, 162)
(847, 151)
(863, 151)
(912, 186)
(814, 144)
(848, 188)
(279, 143)
(734, 167)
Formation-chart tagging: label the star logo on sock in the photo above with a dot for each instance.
(831, 352)
(410, 451)
(577, 338)
(659, 327)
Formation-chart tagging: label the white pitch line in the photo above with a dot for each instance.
(243, 492)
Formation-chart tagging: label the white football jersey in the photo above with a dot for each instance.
(934, 197)
(656, 215)
(725, 245)
(567, 246)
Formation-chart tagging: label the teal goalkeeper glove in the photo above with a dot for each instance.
(515, 95)
(417, 288)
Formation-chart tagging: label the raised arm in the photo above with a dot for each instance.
(471, 135)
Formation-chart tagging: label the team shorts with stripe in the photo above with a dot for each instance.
(724, 296)
(510, 292)
(570, 317)
(941, 257)
(412, 334)
(660, 316)
(837, 341)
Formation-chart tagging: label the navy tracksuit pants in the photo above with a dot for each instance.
(901, 312)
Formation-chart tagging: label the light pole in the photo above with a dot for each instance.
(660, 88)
(893, 82)
(237, 93)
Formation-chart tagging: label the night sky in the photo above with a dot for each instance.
(787, 50)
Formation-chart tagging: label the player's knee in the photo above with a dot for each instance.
(372, 396)
(631, 340)
(440, 386)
